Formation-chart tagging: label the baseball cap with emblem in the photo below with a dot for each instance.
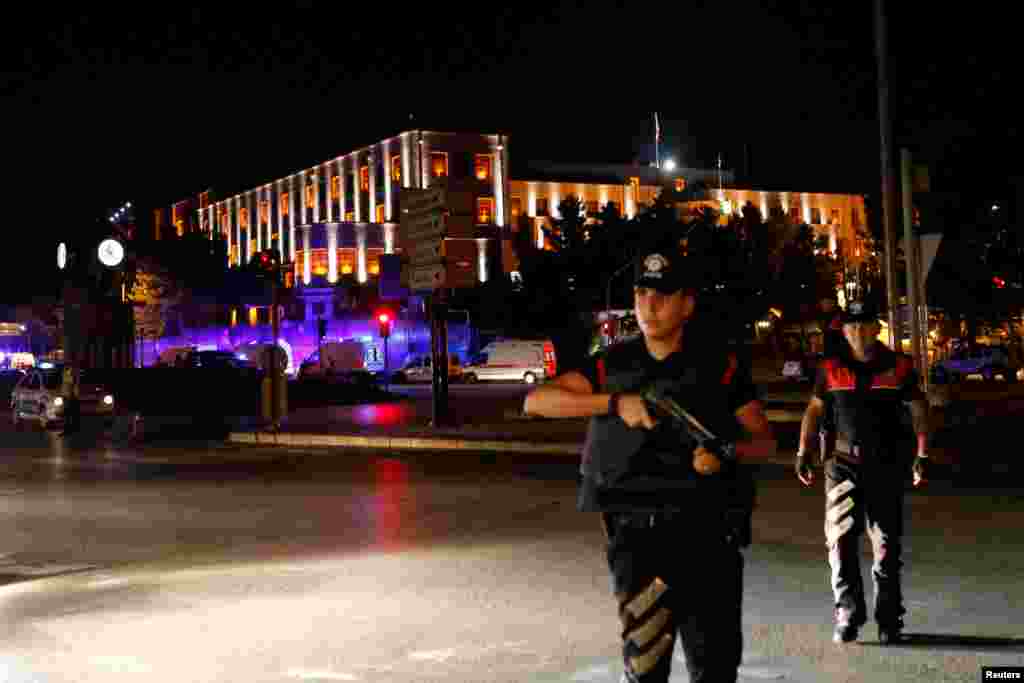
(861, 312)
(663, 270)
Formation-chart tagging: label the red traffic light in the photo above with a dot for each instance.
(998, 282)
(384, 318)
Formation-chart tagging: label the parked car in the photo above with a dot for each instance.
(515, 360)
(987, 361)
(420, 368)
(801, 368)
(8, 380)
(38, 397)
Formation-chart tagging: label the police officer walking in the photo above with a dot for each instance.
(866, 387)
(675, 511)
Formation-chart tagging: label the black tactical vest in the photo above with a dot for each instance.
(655, 466)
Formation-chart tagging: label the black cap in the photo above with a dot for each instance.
(662, 269)
(861, 312)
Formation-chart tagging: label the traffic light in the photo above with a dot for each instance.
(268, 263)
(384, 321)
(999, 282)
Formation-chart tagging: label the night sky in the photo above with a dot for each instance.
(153, 106)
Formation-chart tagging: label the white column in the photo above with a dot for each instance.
(357, 190)
(306, 265)
(316, 196)
(387, 182)
(212, 221)
(406, 161)
(332, 253)
(371, 163)
(498, 171)
(342, 180)
(481, 250)
(254, 223)
(424, 162)
(280, 220)
(389, 238)
(328, 177)
(361, 252)
(291, 217)
(225, 226)
(303, 214)
(238, 230)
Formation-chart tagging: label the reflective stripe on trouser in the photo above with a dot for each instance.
(661, 594)
(859, 497)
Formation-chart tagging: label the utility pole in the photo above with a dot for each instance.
(888, 180)
(913, 274)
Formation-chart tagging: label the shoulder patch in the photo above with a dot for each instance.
(730, 369)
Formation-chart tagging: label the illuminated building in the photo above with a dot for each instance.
(335, 219)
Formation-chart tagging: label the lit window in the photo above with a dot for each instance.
(373, 260)
(364, 178)
(310, 195)
(439, 164)
(542, 206)
(243, 218)
(482, 167)
(234, 317)
(254, 317)
(835, 215)
(264, 211)
(350, 216)
(335, 187)
(816, 216)
(346, 260)
(680, 184)
(485, 210)
(380, 213)
(284, 203)
(318, 261)
(396, 168)
(794, 214)
(592, 209)
(516, 208)
(634, 183)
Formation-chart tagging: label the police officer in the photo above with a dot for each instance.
(70, 391)
(659, 492)
(867, 386)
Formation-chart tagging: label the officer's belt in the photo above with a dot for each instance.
(849, 451)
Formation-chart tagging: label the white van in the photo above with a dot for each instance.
(513, 360)
(341, 358)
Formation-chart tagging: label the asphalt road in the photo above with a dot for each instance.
(192, 562)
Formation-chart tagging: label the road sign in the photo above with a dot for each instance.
(427, 277)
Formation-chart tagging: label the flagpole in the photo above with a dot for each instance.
(657, 144)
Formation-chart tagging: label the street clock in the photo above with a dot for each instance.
(111, 252)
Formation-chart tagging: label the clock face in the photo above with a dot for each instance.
(62, 255)
(111, 253)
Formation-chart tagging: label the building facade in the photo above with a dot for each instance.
(336, 218)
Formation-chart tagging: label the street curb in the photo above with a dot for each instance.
(431, 443)
(401, 443)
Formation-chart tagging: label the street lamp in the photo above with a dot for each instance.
(669, 165)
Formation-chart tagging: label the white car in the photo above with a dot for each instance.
(38, 397)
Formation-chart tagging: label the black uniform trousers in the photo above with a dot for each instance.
(859, 496)
(674, 574)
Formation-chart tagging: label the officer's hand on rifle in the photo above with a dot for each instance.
(920, 470)
(633, 411)
(705, 461)
(804, 471)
